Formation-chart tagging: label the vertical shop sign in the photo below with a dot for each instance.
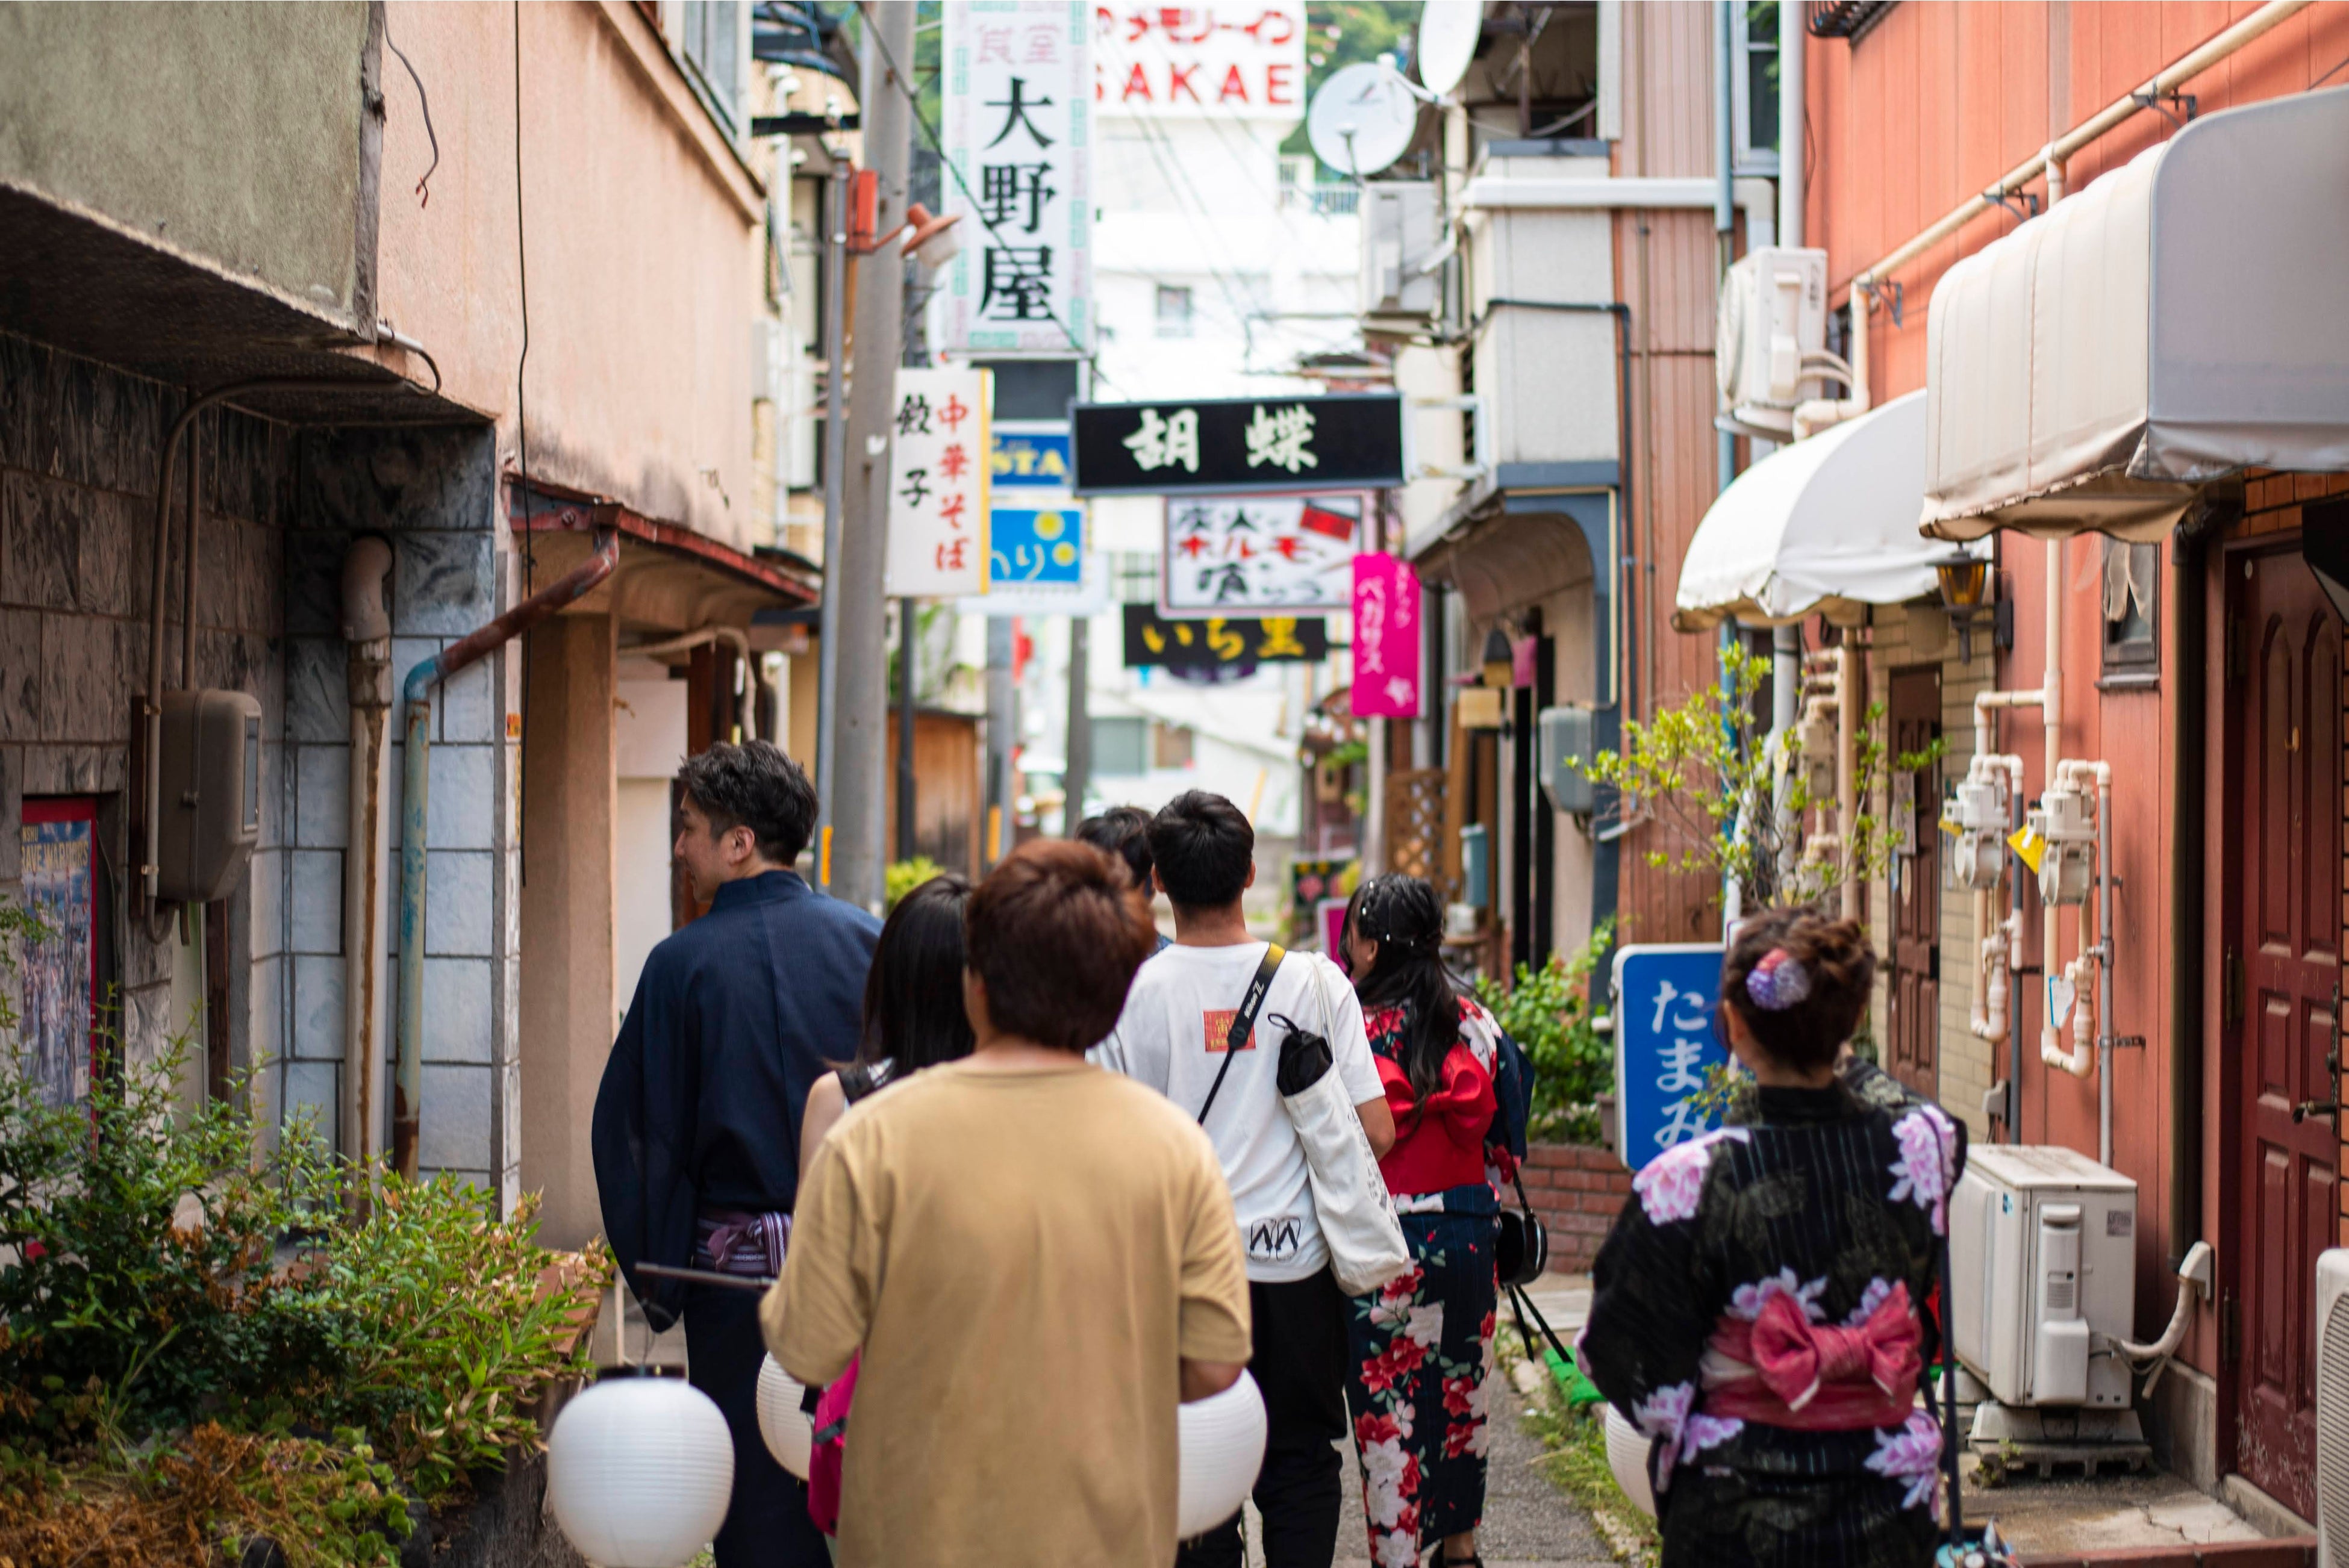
(1017, 103)
(1666, 1046)
(1386, 637)
(938, 484)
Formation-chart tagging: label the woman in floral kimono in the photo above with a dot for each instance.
(1419, 1351)
(1758, 1310)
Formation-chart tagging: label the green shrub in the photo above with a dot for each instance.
(904, 876)
(1550, 1013)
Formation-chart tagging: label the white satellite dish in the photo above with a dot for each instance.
(1448, 30)
(1361, 120)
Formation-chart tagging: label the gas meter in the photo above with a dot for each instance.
(1978, 813)
(1815, 748)
(2068, 865)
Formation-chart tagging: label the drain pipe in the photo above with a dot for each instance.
(408, 1088)
(746, 705)
(366, 628)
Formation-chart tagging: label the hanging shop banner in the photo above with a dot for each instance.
(1665, 1046)
(1201, 62)
(937, 484)
(1030, 459)
(1040, 543)
(1018, 110)
(1221, 642)
(1386, 637)
(1246, 555)
(1235, 446)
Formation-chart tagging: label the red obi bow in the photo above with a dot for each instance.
(1815, 1376)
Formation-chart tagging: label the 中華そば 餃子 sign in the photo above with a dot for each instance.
(1239, 446)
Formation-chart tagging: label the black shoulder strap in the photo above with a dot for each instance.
(1244, 1021)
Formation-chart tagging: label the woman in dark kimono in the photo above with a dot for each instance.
(1759, 1308)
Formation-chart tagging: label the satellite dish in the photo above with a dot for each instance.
(1448, 30)
(1361, 120)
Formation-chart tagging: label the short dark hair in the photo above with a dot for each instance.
(1203, 848)
(754, 786)
(913, 1016)
(1122, 831)
(1055, 934)
(1838, 972)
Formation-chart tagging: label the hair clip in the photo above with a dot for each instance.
(1777, 982)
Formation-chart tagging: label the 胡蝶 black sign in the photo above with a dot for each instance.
(1235, 446)
(1220, 641)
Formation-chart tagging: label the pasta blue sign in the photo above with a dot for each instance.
(1030, 459)
(1665, 1045)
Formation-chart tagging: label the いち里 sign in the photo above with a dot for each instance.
(1235, 446)
(1221, 642)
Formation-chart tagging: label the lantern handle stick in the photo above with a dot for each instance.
(708, 1277)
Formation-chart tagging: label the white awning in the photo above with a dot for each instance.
(1824, 525)
(2182, 319)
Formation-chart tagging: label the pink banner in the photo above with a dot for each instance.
(1386, 637)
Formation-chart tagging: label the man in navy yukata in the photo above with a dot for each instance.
(697, 1122)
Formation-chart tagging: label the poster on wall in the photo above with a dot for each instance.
(938, 484)
(1244, 555)
(57, 1003)
(1017, 100)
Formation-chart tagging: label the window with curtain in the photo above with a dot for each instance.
(2132, 598)
(713, 49)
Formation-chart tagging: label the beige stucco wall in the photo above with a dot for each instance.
(644, 235)
(229, 134)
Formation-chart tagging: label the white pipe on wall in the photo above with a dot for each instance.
(366, 629)
(1846, 774)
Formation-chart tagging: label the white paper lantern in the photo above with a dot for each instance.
(788, 1431)
(639, 1471)
(1222, 1446)
(1627, 1455)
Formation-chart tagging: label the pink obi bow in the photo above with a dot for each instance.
(1785, 1370)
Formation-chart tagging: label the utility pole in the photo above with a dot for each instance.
(1002, 725)
(908, 644)
(861, 669)
(835, 464)
(1080, 774)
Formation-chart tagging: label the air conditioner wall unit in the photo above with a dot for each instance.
(2042, 1256)
(1401, 228)
(1773, 315)
(2332, 1407)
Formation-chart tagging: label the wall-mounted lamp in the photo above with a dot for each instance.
(933, 242)
(1964, 583)
(1500, 662)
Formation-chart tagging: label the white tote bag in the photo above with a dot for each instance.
(1350, 1196)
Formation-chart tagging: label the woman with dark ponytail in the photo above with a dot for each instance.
(1421, 1349)
(1759, 1309)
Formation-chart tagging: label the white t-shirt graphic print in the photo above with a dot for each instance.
(1172, 1036)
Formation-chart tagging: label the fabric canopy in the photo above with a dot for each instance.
(2182, 319)
(1824, 525)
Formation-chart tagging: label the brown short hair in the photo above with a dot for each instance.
(1055, 934)
(1837, 972)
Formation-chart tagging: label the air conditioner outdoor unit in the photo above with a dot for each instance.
(2332, 1407)
(1773, 314)
(2042, 1254)
(1401, 225)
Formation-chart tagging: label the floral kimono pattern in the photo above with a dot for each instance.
(1422, 1352)
(1780, 1269)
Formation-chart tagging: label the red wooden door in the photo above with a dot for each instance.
(2286, 649)
(1913, 1054)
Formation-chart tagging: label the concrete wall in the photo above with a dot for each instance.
(232, 135)
(642, 279)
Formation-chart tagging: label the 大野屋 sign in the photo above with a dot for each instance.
(937, 484)
(1244, 555)
(1236, 446)
(1018, 110)
(1665, 1046)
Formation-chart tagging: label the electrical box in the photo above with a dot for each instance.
(1401, 228)
(2042, 1256)
(1566, 741)
(1773, 313)
(210, 817)
(2067, 867)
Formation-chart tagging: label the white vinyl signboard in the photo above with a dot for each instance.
(1247, 555)
(938, 484)
(1227, 61)
(1018, 108)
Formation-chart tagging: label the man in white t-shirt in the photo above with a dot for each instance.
(1172, 1035)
